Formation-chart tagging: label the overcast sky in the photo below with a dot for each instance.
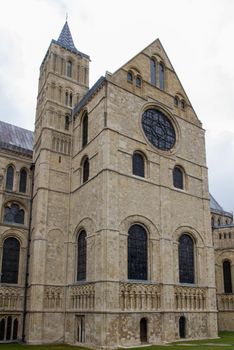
(196, 34)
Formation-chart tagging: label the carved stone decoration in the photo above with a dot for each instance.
(11, 298)
(82, 297)
(53, 298)
(226, 302)
(139, 296)
(190, 298)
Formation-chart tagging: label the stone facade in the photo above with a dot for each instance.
(84, 184)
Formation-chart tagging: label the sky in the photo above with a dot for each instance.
(196, 34)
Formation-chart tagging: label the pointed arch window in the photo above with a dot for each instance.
(13, 214)
(153, 76)
(161, 76)
(23, 181)
(137, 253)
(70, 99)
(138, 164)
(227, 277)
(178, 178)
(81, 256)
(10, 260)
(186, 259)
(85, 129)
(69, 69)
(86, 169)
(10, 178)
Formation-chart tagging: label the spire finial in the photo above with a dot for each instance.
(66, 16)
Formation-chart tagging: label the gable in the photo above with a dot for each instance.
(172, 91)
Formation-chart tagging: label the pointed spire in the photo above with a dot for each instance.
(65, 38)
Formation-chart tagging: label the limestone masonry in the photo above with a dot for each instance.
(108, 234)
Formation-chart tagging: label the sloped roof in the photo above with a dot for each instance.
(214, 204)
(15, 138)
(88, 95)
(65, 40)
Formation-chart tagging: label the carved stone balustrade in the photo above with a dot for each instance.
(140, 296)
(82, 297)
(190, 298)
(11, 298)
(53, 298)
(225, 302)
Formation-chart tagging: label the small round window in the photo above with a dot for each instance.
(158, 129)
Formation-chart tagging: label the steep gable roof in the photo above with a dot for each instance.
(15, 138)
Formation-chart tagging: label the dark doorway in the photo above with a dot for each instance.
(182, 325)
(143, 330)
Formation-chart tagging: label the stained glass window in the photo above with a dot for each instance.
(10, 260)
(81, 257)
(178, 177)
(10, 178)
(186, 259)
(158, 129)
(85, 130)
(138, 165)
(23, 181)
(227, 277)
(153, 71)
(13, 214)
(137, 253)
(86, 170)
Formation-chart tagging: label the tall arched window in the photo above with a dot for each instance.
(10, 178)
(138, 164)
(212, 221)
(23, 181)
(67, 122)
(13, 214)
(81, 256)
(85, 129)
(161, 76)
(66, 98)
(70, 99)
(137, 253)
(227, 277)
(86, 169)
(178, 177)
(186, 259)
(10, 260)
(8, 328)
(153, 71)
(69, 69)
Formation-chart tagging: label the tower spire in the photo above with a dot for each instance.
(65, 38)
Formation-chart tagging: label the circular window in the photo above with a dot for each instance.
(158, 129)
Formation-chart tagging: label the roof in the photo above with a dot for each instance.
(214, 204)
(65, 40)
(15, 138)
(88, 95)
(215, 207)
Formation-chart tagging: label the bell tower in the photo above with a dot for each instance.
(63, 81)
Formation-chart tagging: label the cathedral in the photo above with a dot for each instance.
(108, 234)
